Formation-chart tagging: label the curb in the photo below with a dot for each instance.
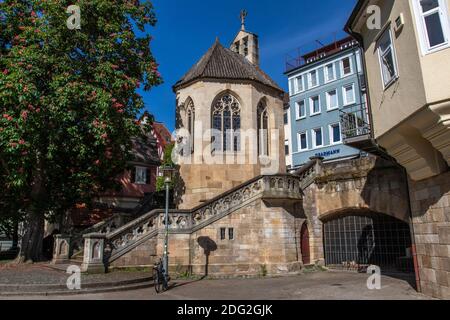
(53, 290)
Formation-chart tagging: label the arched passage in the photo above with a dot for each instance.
(355, 240)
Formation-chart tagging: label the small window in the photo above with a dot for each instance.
(433, 19)
(223, 233)
(299, 84)
(286, 147)
(315, 105)
(230, 233)
(302, 141)
(317, 138)
(291, 86)
(313, 81)
(140, 175)
(245, 46)
(349, 94)
(332, 102)
(236, 47)
(286, 117)
(335, 133)
(329, 73)
(387, 58)
(346, 66)
(300, 110)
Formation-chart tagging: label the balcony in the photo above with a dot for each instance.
(356, 128)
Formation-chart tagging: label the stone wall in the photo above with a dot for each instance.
(202, 177)
(363, 185)
(430, 205)
(265, 241)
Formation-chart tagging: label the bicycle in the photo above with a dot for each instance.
(159, 277)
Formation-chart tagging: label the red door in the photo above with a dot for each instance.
(304, 244)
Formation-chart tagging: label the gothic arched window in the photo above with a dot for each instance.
(263, 130)
(190, 119)
(226, 124)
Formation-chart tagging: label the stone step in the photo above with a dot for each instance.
(66, 292)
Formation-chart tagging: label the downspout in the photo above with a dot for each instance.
(360, 39)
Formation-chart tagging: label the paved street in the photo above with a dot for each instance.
(308, 286)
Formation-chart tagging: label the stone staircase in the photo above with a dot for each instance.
(113, 245)
(104, 245)
(75, 242)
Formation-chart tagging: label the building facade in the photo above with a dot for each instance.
(231, 114)
(407, 61)
(287, 134)
(321, 84)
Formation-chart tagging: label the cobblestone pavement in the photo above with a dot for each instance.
(309, 286)
(28, 275)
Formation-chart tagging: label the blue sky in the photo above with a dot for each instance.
(187, 28)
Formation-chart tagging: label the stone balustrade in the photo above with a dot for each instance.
(130, 236)
(61, 249)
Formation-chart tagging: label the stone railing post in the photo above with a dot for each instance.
(317, 166)
(94, 245)
(61, 249)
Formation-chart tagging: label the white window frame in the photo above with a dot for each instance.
(327, 94)
(325, 68)
(296, 82)
(297, 110)
(299, 141)
(381, 54)
(136, 180)
(330, 130)
(344, 95)
(310, 86)
(311, 106)
(291, 84)
(352, 69)
(423, 34)
(313, 136)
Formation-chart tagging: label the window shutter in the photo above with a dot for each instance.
(133, 175)
(148, 176)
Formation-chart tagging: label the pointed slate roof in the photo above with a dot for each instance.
(222, 63)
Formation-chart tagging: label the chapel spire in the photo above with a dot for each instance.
(246, 43)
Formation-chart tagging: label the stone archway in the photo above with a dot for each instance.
(355, 239)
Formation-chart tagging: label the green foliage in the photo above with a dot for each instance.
(167, 161)
(68, 100)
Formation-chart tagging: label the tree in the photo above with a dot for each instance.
(68, 104)
(167, 161)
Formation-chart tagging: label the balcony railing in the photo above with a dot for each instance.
(355, 124)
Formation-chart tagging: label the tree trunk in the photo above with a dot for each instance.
(15, 235)
(31, 247)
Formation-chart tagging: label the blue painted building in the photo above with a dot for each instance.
(321, 84)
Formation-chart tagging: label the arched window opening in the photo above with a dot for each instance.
(226, 124)
(263, 130)
(190, 119)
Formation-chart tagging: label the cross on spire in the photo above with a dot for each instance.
(243, 15)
